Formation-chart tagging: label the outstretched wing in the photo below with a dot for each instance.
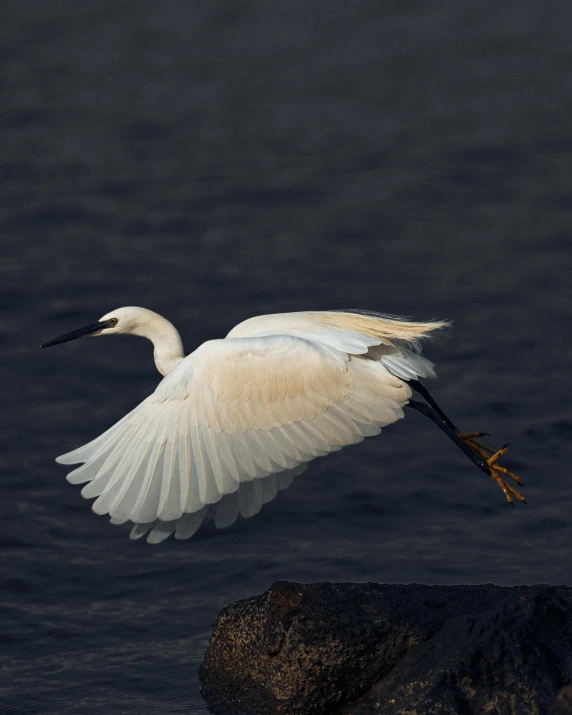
(238, 417)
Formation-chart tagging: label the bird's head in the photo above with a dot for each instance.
(131, 320)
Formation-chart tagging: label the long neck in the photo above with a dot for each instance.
(166, 341)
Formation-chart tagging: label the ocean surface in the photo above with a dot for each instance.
(214, 161)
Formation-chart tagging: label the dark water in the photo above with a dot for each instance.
(214, 161)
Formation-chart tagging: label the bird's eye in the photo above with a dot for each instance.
(113, 321)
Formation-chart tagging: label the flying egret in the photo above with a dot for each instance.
(235, 421)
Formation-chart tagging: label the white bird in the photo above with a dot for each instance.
(235, 421)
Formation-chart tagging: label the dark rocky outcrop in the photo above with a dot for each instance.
(563, 702)
(326, 648)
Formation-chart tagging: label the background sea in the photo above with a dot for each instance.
(218, 160)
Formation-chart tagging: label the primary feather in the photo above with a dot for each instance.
(235, 421)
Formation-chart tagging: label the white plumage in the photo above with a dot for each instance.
(235, 421)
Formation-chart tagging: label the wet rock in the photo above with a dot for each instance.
(563, 702)
(325, 648)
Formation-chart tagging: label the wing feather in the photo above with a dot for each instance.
(127, 494)
(227, 510)
(212, 484)
(147, 502)
(171, 502)
(88, 471)
(170, 497)
(149, 451)
(190, 464)
(189, 524)
(289, 448)
(247, 469)
(222, 479)
(232, 424)
(269, 488)
(307, 441)
(102, 443)
(139, 530)
(262, 452)
(228, 457)
(250, 499)
(161, 530)
(272, 447)
(111, 470)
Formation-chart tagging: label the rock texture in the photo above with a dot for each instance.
(563, 703)
(325, 648)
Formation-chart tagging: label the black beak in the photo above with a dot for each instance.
(88, 330)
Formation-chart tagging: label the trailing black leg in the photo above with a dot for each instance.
(486, 463)
(469, 438)
(449, 429)
(424, 392)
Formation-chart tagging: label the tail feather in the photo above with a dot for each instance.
(393, 329)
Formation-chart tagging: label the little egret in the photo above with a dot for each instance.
(235, 421)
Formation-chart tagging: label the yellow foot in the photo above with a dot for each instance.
(491, 459)
(495, 469)
(470, 441)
